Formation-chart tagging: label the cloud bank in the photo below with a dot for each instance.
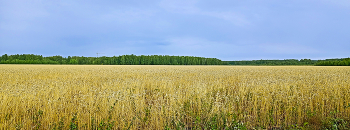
(224, 29)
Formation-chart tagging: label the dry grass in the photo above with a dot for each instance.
(173, 97)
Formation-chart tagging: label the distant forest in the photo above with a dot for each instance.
(158, 60)
(115, 60)
(275, 62)
(334, 62)
(326, 62)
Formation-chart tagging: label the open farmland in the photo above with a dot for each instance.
(184, 97)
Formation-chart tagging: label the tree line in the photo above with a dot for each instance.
(274, 62)
(334, 62)
(158, 60)
(115, 60)
(326, 62)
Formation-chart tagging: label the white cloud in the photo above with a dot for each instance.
(286, 48)
(125, 15)
(18, 15)
(234, 17)
(180, 6)
(189, 7)
(339, 3)
(193, 46)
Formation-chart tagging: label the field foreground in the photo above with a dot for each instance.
(173, 97)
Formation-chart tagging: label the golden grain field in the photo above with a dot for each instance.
(173, 97)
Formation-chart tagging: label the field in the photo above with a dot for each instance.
(174, 97)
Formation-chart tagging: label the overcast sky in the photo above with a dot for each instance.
(224, 29)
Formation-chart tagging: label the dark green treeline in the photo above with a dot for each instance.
(115, 60)
(159, 60)
(326, 62)
(275, 62)
(334, 62)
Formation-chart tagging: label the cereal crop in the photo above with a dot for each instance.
(174, 97)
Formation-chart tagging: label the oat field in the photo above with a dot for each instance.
(174, 97)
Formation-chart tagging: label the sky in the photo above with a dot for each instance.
(223, 29)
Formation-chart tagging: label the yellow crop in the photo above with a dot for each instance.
(161, 97)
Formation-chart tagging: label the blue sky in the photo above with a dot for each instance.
(224, 29)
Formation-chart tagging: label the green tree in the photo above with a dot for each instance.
(73, 61)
